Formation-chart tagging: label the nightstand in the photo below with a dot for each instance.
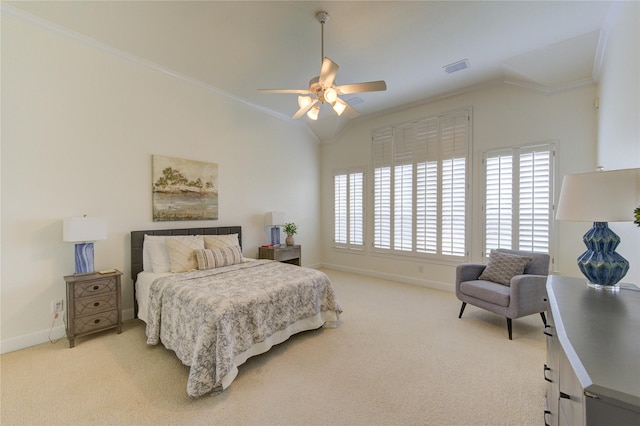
(285, 254)
(94, 303)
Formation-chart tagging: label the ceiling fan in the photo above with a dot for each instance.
(322, 88)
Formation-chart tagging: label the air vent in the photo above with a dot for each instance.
(456, 66)
(355, 101)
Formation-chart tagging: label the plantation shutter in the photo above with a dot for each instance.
(455, 136)
(356, 208)
(498, 200)
(349, 209)
(427, 186)
(420, 185)
(535, 199)
(404, 144)
(382, 187)
(340, 208)
(519, 198)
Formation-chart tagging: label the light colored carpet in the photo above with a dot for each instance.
(401, 356)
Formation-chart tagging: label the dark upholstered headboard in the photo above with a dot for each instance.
(137, 241)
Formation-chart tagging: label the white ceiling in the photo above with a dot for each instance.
(237, 47)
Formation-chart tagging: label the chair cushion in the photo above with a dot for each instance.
(488, 291)
(502, 267)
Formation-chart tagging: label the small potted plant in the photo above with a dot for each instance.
(290, 229)
(636, 213)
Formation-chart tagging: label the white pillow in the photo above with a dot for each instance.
(182, 252)
(155, 257)
(216, 241)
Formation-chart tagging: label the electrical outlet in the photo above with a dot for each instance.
(57, 306)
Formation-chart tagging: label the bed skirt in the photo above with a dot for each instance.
(327, 319)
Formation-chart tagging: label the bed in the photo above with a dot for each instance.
(227, 308)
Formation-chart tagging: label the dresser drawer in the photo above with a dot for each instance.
(96, 322)
(93, 305)
(287, 253)
(91, 288)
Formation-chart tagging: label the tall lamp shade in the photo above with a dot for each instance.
(84, 231)
(273, 220)
(600, 197)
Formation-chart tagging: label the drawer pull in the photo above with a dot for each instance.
(546, 413)
(96, 304)
(96, 321)
(546, 368)
(96, 287)
(545, 332)
(564, 395)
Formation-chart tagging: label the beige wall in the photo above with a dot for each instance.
(619, 114)
(79, 127)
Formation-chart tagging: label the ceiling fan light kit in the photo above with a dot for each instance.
(322, 88)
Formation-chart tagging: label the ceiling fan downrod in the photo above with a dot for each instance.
(322, 17)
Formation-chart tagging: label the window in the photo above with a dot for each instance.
(349, 209)
(519, 198)
(420, 186)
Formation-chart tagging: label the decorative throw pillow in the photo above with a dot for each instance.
(503, 266)
(218, 257)
(182, 252)
(214, 241)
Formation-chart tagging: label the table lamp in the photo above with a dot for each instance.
(600, 197)
(84, 231)
(274, 220)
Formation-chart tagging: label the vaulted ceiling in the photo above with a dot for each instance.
(237, 47)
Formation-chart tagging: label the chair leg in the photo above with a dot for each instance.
(544, 319)
(464, 305)
(509, 327)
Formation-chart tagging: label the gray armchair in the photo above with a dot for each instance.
(526, 294)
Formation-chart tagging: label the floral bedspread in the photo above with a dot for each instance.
(209, 317)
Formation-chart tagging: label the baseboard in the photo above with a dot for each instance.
(57, 332)
(436, 285)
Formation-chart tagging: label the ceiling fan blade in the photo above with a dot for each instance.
(369, 86)
(350, 111)
(298, 91)
(304, 109)
(328, 72)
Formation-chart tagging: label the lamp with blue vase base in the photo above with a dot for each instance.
(84, 231)
(84, 258)
(600, 197)
(602, 266)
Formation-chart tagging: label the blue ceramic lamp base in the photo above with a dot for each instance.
(84, 258)
(602, 266)
(275, 235)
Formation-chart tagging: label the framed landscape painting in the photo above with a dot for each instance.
(184, 189)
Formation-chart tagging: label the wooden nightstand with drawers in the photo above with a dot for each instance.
(94, 303)
(285, 254)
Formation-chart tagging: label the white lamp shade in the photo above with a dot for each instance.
(303, 101)
(313, 112)
(330, 95)
(274, 219)
(339, 106)
(608, 196)
(84, 229)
